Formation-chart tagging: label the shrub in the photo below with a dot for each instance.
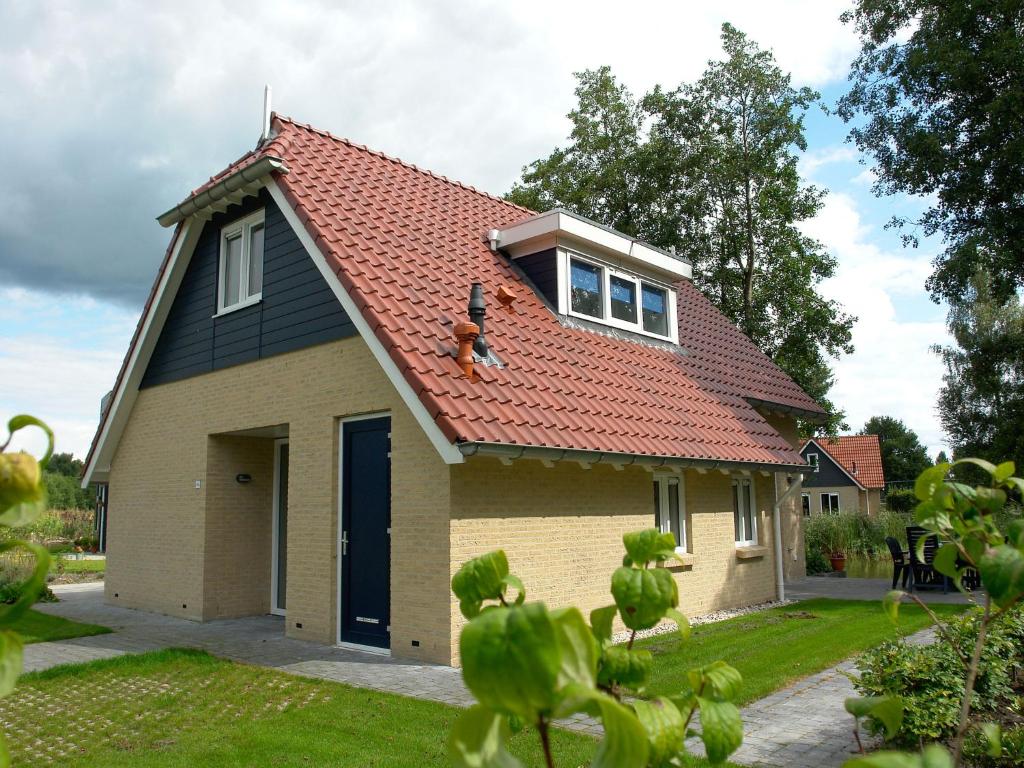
(901, 500)
(976, 749)
(816, 562)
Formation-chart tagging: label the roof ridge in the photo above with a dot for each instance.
(399, 161)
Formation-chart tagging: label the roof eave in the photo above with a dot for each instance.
(234, 185)
(815, 417)
(509, 451)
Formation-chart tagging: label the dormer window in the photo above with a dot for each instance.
(240, 278)
(607, 294)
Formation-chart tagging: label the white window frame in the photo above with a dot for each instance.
(242, 228)
(607, 270)
(805, 511)
(813, 464)
(832, 509)
(749, 538)
(661, 514)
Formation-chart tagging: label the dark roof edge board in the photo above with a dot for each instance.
(817, 417)
(540, 453)
(232, 184)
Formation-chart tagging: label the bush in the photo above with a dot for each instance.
(901, 500)
(816, 562)
(1012, 748)
(15, 568)
(56, 525)
(930, 678)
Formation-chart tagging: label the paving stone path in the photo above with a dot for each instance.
(803, 725)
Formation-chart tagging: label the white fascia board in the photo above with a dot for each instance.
(559, 222)
(128, 388)
(450, 454)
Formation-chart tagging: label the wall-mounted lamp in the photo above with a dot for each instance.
(243, 478)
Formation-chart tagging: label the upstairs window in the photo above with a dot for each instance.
(812, 461)
(609, 295)
(240, 280)
(744, 515)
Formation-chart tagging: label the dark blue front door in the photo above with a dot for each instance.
(366, 532)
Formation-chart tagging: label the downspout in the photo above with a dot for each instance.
(780, 581)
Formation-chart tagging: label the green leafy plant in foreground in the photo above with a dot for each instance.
(966, 521)
(527, 665)
(22, 500)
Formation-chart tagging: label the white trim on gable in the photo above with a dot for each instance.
(449, 452)
(831, 458)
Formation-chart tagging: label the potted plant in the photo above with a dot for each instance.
(836, 541)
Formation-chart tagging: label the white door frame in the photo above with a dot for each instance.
(338, 543)
(275, 547)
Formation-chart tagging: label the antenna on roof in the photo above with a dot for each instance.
(266, 113)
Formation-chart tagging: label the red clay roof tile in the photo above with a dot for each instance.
(859, 455)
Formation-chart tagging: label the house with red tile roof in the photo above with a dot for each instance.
(846, 474)
(352, 375)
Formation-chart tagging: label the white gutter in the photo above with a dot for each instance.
(780, 579)
(239, 180)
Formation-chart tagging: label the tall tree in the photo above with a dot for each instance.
(903, 455)
(938, 98)
(981, 404)
(714, 176)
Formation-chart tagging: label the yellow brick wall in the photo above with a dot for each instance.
(793, 554)
(562, 527)
(163, 531)
(851, 498)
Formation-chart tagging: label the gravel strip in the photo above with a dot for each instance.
(707, 618)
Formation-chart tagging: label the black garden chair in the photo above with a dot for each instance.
(900, 566)
(922, 571)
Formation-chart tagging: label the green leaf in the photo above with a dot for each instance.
(644, 595)
(721, 728)
(24, 420)
(992, 732)
(1003, 472)
(625, 741)
(888, 710)
(1002, 574)
(511, 660)
(988, 466)
(625, 667)
(516, 583)
(478, 738)
(945, 559)
(933, 756)
(10, 661)
(665, 727)
(601, 621)
(891, 604)
(482, 578)
(24, 513)
(1015, 534)
(930, 481)
(722, 681)
(578, 648)
(681, 621)
(647, 545)
(29, 590)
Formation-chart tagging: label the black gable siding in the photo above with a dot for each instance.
(298, 308)
(829, 474)
(542, 269)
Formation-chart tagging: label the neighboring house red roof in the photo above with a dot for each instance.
(859, 455)
(406, 244)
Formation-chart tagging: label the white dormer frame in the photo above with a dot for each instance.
(565, 257)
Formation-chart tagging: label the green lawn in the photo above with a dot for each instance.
(190, 710)
(773, 648)
(72, 565)
(36, 627)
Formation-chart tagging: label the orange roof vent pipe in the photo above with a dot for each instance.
(466, 334)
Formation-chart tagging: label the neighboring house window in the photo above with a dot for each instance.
(830, 503)
(670, 509)
(617, 298)
(744, 516)
(805, 500)
(812, 461)
(241, 263)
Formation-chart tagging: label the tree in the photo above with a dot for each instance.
(937, 91)
(714, 176)
(942, 458)
(981, 404)
(903, 455)
(65, 464)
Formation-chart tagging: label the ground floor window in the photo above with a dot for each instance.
(670, 509)
(805, 500)
(830, 503)
(744, 517)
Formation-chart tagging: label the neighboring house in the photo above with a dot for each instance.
(292, 432)
(846, 475)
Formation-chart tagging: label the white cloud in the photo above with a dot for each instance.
(892, 372)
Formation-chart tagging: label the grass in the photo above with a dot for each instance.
(36, 627)
(776, 647)
(178, 709)
(79, 566)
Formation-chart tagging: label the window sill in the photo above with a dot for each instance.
(234, 308)
(679, 562)
(750, 551)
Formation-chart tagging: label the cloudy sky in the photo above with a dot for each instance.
(112, 111)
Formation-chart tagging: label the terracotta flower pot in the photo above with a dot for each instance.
(838, 561)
